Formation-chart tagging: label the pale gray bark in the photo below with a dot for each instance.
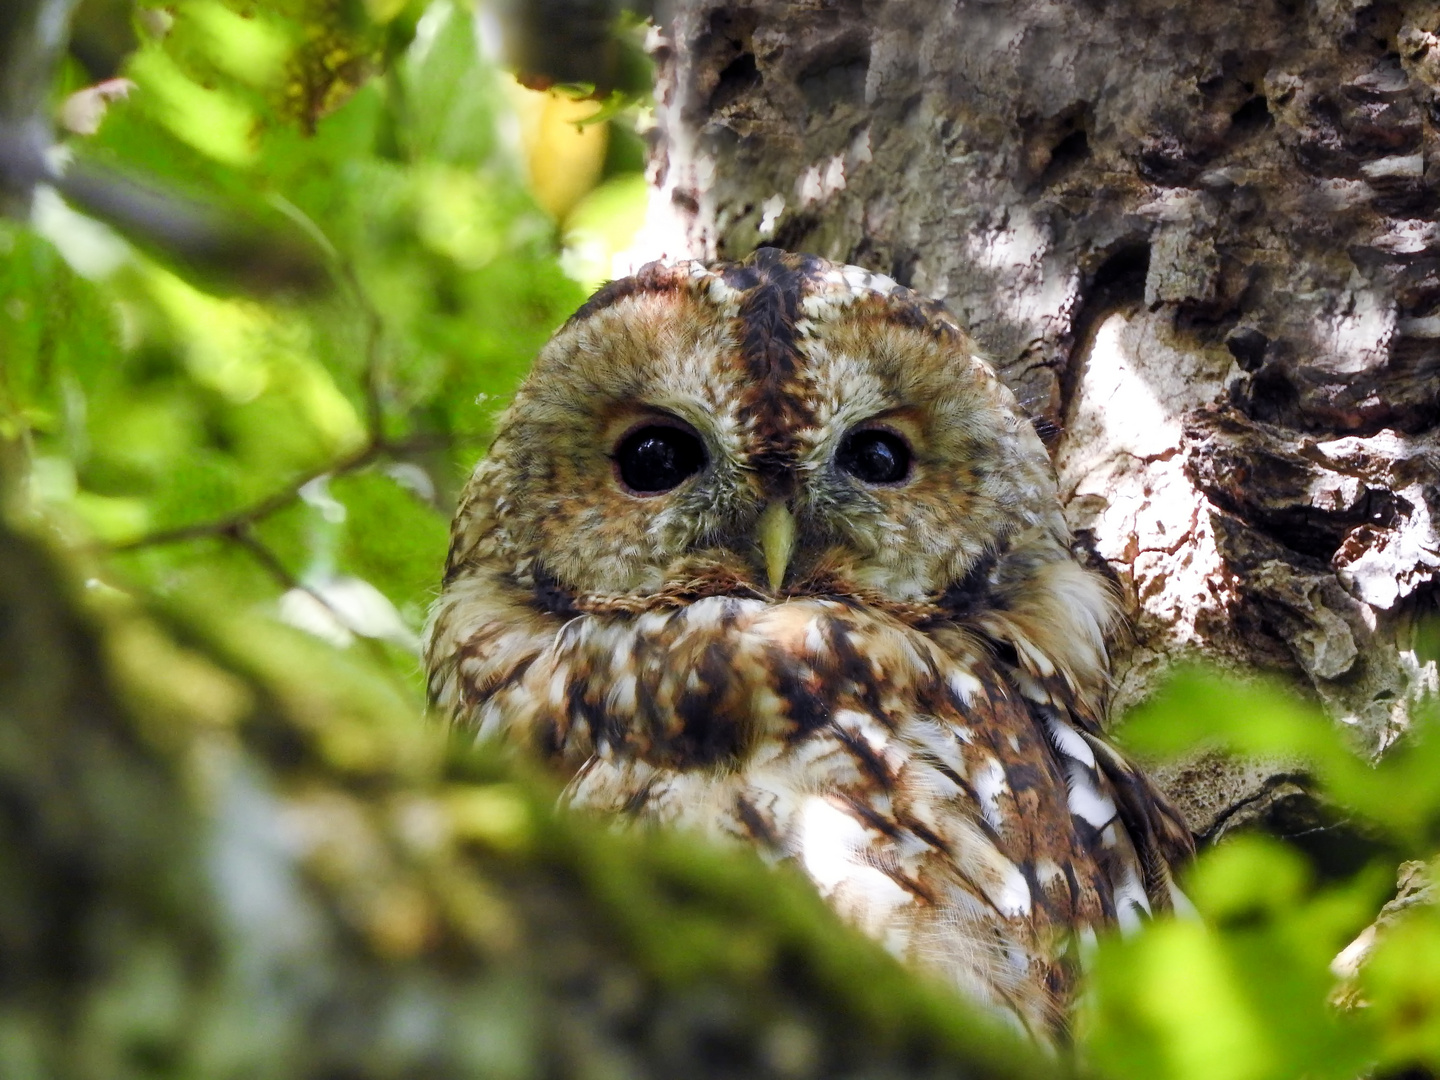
(1197, 238)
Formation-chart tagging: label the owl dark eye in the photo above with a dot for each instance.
(875, 456)
(654, 459)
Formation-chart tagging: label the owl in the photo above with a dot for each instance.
(764, 549)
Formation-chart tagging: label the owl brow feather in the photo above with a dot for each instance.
(653, 277)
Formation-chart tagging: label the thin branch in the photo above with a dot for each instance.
(372, 377)
(241, 519)
(245, 538)
(232, 524)
(207, 239)
(242, 536)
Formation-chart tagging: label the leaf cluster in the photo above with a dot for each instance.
(286, 406)
(1265, 984)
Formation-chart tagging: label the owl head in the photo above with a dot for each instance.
(781, 427)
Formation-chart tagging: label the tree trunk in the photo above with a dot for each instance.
(1196, 240)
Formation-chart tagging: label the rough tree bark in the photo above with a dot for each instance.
(1198, 241)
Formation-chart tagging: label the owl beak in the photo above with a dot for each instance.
(776, 530)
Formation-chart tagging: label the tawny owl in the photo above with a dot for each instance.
(765, 549)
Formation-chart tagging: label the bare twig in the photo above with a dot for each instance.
(243, 536)
(250, 515)
(217, 243)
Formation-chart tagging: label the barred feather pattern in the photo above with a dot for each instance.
(912, 718)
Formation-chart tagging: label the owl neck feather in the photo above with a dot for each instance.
(1054, 618)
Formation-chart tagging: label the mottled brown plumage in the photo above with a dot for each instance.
(893, 677)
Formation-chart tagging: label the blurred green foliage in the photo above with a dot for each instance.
(216, 436)
(1256, 988)
(189, 416)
